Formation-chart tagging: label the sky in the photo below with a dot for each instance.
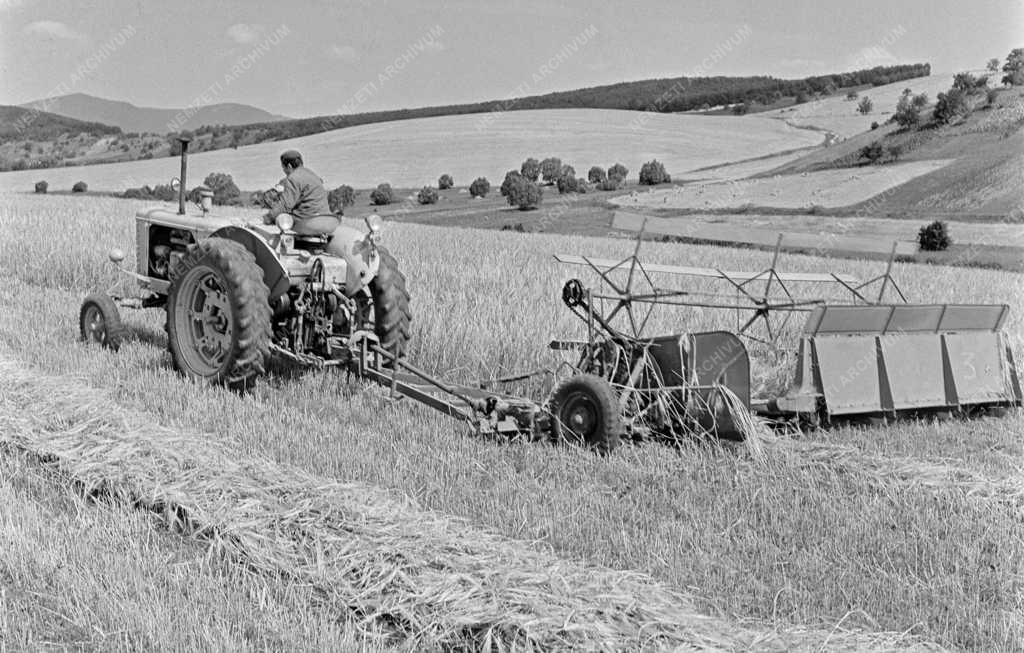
(315, 58)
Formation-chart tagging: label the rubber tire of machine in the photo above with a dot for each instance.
(234, 269)
(591, 403)
(391, 314)
(112, 330)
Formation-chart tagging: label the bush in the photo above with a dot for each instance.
(963, 81)
(1014, 67)
(510, 178)
(596, 175)
(445, 182)
(653, 172)
(874, 124)
(611, 183)
(801, 97)
(934, 237)
(568, 184)
(550, 169)
(530, 169)
(480, 187)
(865, 105)
(223, 187)
(618, 171)
(341, 197)
(80, 187)
(164, 193)
(906, 114)
(950, 105)
(739, 109)
(524, 193)
(852, 95)
(41, 186)
(427, 195)
(991, 96)
(872, 152)
(895, 151)
(382, 195)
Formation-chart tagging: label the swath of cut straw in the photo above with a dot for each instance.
(425, 579)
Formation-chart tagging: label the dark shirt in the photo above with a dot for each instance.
(302, 194)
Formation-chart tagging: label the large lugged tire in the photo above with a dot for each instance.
(100, 322)
(218, 314)
(391, 315)
(585, 409)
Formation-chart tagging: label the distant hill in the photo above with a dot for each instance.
(19, 124)
(131, 118)
(222, 126)
(670, 95)
(983, 181)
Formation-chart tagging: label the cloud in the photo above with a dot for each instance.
(871, 56)
(243, 33)
(344, 53)
(801, 63)
(52, 29)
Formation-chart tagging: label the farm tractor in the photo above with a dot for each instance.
(236, 292)
(323, 294)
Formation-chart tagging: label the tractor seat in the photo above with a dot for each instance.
(321, 225)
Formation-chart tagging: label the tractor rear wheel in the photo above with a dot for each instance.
(391, 315)
(585, 409)
(218, 314)
(100, 322)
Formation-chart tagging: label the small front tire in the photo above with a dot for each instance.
(585, 409)
(100, 322)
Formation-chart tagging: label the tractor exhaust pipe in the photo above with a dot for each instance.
(184, 140)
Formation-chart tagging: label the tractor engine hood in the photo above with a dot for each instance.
(201, 226)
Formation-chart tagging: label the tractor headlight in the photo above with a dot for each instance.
(285, 222)
(374, 224)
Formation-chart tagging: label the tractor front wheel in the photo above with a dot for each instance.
(585, 409)
(100, 322)
(218, 314)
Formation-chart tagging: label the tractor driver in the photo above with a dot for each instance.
(301, 193)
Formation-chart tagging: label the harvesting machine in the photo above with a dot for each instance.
(323, 294)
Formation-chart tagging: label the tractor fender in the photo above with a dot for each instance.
(360, 256)
(274, 274)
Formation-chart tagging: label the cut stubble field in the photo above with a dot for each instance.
(857, 527)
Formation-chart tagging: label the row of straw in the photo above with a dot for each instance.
(420, 579)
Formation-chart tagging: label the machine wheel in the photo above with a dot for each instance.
(100, 322)
(391, 315)
(585, 409)
(218, 314)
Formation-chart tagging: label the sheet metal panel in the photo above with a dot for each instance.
(960, 317)
(977, 367)
(841, 320)
(913, 371)
(848, 368)
(904, 318)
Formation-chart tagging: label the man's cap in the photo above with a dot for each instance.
(291, 157)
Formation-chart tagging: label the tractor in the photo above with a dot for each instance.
(236, 292)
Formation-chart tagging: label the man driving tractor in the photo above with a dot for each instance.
(301, 193)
